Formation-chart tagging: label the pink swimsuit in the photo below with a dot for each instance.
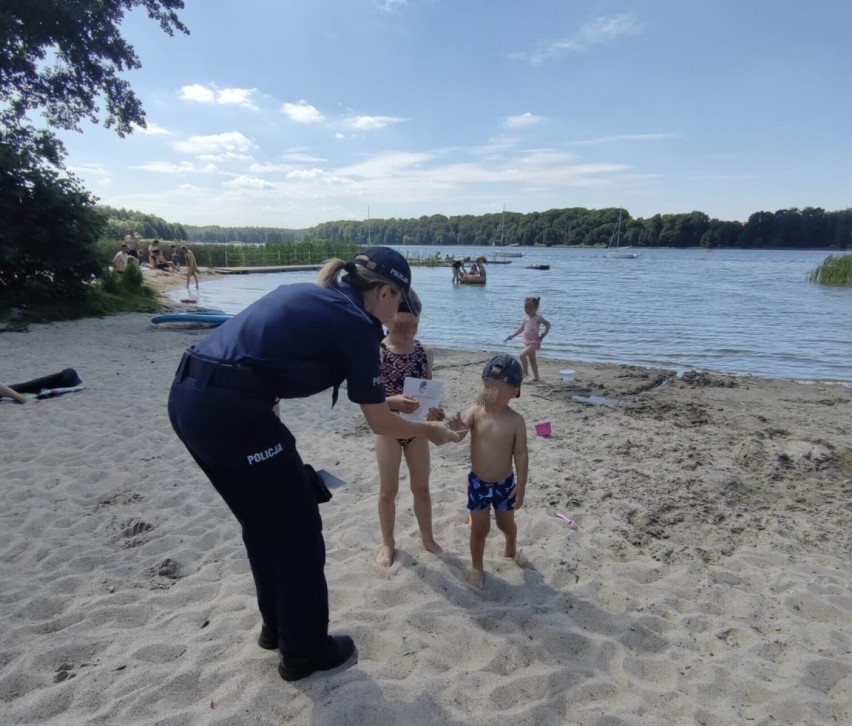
(531, 328)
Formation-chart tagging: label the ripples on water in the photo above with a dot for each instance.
(731, 311)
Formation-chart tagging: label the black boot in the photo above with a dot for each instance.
(338, 650)
(268, 639)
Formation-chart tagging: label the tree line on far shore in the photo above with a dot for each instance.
(809, 228)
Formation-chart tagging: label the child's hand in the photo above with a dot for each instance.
(441, 433)
(507, 338)
(435, 414)
(519, 497)
(456, 423)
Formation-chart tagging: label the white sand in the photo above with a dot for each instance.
(709, 581)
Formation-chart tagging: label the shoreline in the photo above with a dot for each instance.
(710, 574)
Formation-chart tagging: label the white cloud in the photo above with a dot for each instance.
(387, 164)
(300, 157)
(371, 123)
(623, 137)
(522, 120)
(237, 97)
(225, 97)
(305, 174)
(232, 142)
(197, 92)
(247, 182)
(152, 129)
(167, 167)
(302, 113)
(596, 32)
(389, 5)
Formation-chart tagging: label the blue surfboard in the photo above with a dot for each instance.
(211, 318)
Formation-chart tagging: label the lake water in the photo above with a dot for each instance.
(729, 311)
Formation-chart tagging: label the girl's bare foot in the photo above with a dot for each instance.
(385, 555)
(477, 579)
(432, 546)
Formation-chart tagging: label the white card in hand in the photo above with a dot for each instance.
(429, 393)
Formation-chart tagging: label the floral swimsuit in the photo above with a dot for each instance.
(396, 366)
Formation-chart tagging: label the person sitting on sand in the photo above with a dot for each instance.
(7, 392)
(402, 355)
(119, 262)
(498, 438)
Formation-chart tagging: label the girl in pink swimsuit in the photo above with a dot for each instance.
(403, 355)
(531, 328)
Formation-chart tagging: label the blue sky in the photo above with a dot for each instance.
(287, 114)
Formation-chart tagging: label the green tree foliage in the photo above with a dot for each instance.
(810, 228)
(61, 60)
(121, 222)
(48, 224)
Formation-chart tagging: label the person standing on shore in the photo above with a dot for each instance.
(221, 407)
(531, 328)
(191, 266)
(402, 355)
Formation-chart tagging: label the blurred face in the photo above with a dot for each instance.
(404, 325)
(493, 391)
(530, 307)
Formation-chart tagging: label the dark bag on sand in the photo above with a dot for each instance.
(322, 492)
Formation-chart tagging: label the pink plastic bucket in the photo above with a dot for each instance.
(542, 428)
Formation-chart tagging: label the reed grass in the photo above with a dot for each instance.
(833, 271)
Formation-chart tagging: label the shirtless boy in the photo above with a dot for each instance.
(498, 439)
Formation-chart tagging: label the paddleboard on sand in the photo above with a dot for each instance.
(211, 318)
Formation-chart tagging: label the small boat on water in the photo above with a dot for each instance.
(538, 267)
(472, 280)
(502, 251)
(615, 249)
(475, 279)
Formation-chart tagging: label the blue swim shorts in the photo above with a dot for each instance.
(483, 494)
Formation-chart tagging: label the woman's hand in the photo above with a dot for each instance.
(403, 404)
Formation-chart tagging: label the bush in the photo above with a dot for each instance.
(834, 271)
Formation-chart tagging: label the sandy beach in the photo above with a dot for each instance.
(709, 580)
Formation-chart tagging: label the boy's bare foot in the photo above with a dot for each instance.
(509, 552)
(432, 546)
(385, 555)
(477, 579)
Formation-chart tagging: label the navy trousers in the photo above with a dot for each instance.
(250, 458)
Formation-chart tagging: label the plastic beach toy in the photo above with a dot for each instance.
(570, 522)
(567, 375)
(542, 428)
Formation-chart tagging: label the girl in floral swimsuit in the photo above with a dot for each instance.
(402, 355)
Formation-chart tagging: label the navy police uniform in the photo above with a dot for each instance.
(294, 342)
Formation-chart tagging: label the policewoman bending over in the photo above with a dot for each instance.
(294, 342)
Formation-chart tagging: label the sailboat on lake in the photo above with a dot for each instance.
(503, 252)
(614, 248)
